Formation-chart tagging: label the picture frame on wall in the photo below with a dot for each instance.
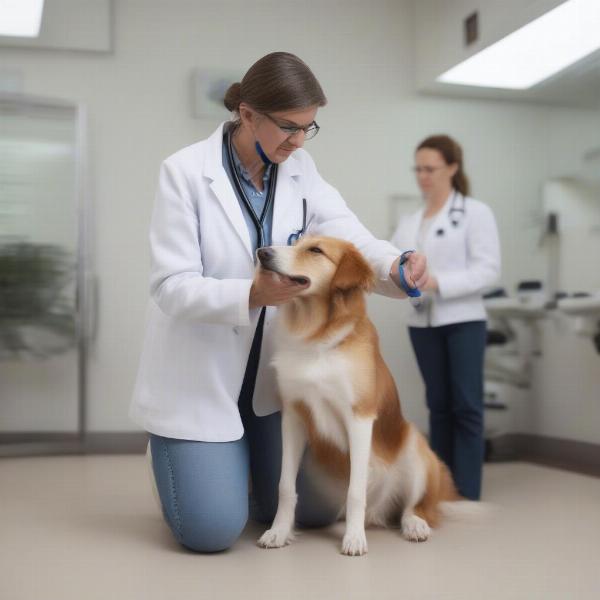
(208, 90)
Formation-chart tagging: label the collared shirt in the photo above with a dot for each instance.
(256, 197)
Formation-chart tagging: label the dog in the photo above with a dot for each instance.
(339, 396)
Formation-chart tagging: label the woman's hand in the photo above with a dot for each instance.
(272, 289)
(415, 269)
(431, 285)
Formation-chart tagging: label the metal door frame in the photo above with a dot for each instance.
(85, 313)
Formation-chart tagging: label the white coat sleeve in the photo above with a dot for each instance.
(483, 258)
(332, 217)
(176, 281)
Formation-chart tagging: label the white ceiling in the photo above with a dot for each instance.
(439, 45)
(578, 85)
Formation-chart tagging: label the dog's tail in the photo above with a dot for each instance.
(453, 506)
(442, 499)
(466, 510)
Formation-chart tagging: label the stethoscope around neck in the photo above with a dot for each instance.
(296, 235)
(456, 212)
(258, 220)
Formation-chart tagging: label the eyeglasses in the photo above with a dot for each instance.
(426, 170)
(309, 131)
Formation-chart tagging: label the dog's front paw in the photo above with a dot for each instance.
(354, 543)
(276, 538)
(415, 529)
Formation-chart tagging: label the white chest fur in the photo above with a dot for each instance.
(319, 375)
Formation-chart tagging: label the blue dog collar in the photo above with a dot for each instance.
(410, 291)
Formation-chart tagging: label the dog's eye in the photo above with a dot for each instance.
(315, 249)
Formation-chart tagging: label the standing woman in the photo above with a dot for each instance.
(205, 389)
(458, 235)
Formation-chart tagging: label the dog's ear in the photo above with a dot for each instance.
(353, 272)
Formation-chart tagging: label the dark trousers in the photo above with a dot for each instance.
(450, 359)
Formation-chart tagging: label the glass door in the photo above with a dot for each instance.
(42, 276)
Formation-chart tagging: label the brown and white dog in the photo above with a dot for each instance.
(339, 397)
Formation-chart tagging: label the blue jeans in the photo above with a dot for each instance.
(450, 359)
(203, 486)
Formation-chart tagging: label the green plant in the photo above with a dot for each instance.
(37, 314)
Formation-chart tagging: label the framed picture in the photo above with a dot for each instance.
(208, 90)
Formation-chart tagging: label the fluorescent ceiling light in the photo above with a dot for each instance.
(21, 18)
(533, 53)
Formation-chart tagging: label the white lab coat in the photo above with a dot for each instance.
(199, 325)
(465, 260)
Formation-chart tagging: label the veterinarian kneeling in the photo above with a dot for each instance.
(205, 389)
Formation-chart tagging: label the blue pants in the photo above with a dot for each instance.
(203, 486)
(450, 359)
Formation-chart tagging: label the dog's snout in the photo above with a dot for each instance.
(265, 255)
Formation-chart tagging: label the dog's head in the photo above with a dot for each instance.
(327, 265)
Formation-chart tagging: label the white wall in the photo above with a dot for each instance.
(577, 204)
(138, 102)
